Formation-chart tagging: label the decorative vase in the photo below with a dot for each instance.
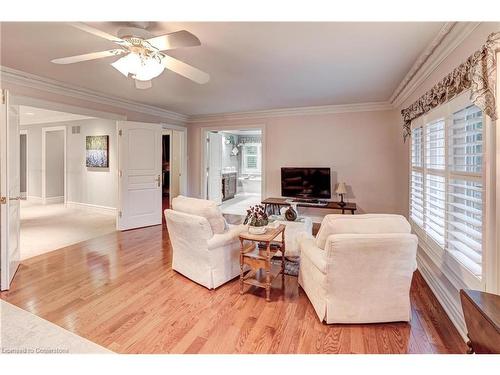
(256, 230)
(291, 214)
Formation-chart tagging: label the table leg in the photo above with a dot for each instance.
(352, 212)
(283, 249)
(241, 267)
(268, 273)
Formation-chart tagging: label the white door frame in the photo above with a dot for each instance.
(183, 179)
(170, 134)
(221, 128)
(25, 132)
(44, 161)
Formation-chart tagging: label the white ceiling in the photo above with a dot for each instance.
(253, 66)
(32, 115)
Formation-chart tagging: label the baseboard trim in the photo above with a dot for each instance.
(443, 295)
(31, 198)
(53, 200)
(91, 207)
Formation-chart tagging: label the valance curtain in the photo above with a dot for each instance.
(477, 73)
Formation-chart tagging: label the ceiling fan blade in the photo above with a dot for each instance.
(88, 56)
(174, 40)
(97, 32)
(143, 85)
(185, 70)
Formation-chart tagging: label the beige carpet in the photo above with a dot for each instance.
(24, 333)
(52, 226)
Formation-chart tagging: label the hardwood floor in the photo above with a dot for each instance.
(120, 292)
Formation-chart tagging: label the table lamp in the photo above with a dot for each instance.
(341, 190)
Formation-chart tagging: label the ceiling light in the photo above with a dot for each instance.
(29, 113)
(142, 68)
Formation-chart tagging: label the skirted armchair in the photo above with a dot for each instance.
(359, 268)
(205, 248)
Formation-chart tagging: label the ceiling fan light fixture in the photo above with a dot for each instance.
(140, 68)
(128, 64)
(150, 68)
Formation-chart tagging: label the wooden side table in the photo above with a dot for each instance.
(482, 317)
(262, 273)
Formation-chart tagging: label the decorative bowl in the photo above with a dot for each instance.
(256, 230)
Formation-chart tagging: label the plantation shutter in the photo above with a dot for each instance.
(465, 193)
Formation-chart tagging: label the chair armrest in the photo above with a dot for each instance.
(316, 255)
(223, 239)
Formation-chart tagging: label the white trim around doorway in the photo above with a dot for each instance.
(49, 200)
(204, 159)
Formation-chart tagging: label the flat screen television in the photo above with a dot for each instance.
(307, 183)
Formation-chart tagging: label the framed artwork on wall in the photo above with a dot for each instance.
(97, 151)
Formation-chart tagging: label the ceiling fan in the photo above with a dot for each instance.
(142, 57)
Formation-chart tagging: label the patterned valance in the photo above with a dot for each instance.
(477, 73)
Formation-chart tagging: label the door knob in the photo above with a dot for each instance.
(158, 179)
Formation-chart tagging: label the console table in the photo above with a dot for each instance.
(273, 206)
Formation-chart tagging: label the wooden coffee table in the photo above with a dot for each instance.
(258, 258)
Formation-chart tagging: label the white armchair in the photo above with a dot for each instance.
(359, 268)
(205, 249)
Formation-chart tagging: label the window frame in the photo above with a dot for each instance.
(453, 269)
(244, 167)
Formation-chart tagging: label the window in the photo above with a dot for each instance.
(446, 187)
(251, 158)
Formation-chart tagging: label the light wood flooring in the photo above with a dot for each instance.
(120, 291)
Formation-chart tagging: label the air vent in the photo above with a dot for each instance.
(75, 129)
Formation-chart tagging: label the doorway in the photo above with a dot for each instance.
(54, 164)
(234, 175)
(172, 166)
(66, 199)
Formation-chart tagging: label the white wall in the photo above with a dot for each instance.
(34, 176)
(54, 163)
(22, 164)
(95, 186)
(363, 149)
(229, 160)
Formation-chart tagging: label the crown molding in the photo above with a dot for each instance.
(295, 111)
(448, 38)
(64, 117)
(20, 78)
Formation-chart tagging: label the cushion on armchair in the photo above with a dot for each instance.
(360, 224)
(201, 207)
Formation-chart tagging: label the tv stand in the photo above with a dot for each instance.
(273, 205)
(307, 201)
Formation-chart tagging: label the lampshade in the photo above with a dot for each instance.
(142, 69)
(341, 188)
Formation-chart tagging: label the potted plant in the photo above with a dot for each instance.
(256, 219)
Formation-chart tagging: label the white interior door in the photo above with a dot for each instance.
(9, 191)
(139, 158)
(215, 167)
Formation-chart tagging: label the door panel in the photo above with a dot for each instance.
(10, 189)
(215, 167)
(140, 157)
